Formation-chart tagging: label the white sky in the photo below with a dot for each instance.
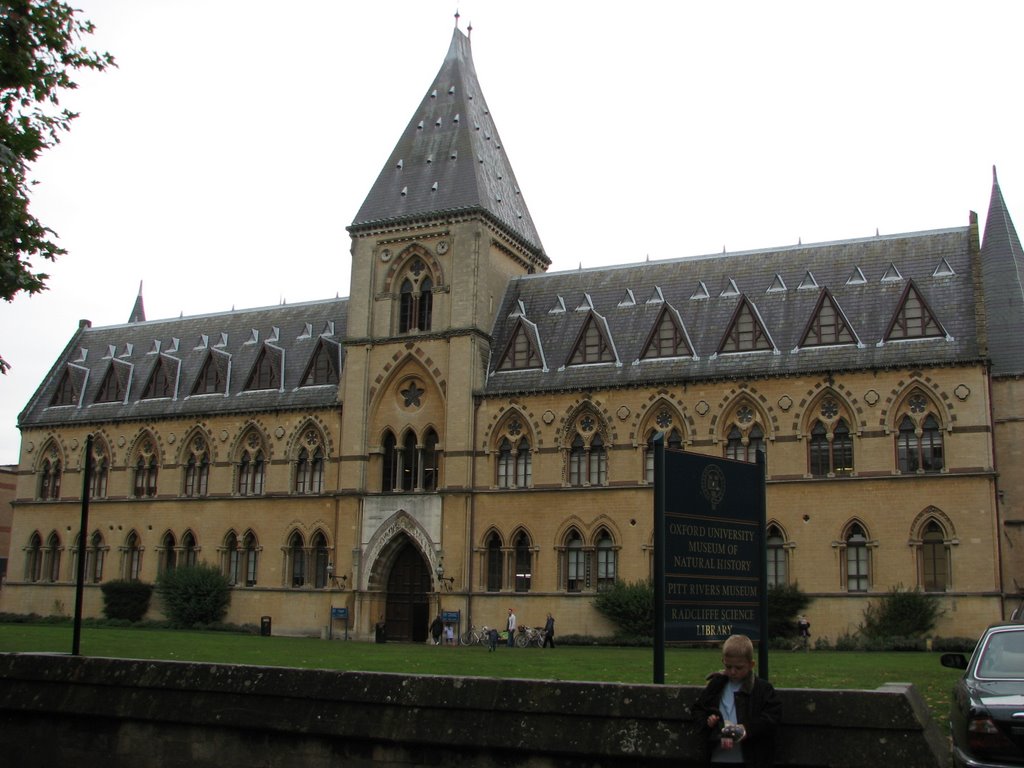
(222, 160)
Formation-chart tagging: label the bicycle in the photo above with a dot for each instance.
(474, 636)
(530, 636)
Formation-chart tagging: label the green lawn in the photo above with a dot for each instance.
(817, 669)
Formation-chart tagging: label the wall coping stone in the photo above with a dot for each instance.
(169, 713)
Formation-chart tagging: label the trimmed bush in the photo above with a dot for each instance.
(194, 594)
(630, 605)
(785, 603)
(126, 600)
(954, 644)
(901, 613)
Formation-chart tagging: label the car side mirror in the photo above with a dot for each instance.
(954, 660)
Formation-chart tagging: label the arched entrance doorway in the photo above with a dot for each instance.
(408, 608)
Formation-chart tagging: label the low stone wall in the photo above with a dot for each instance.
(63, 710)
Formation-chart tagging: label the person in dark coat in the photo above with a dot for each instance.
(436, 628)
(738, 712)
(549, 632)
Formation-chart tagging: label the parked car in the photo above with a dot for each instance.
(986, 718)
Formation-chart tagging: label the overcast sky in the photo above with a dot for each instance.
(220, 163)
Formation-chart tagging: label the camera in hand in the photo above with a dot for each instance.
(732, 731)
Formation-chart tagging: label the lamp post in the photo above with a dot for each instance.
(440, 580)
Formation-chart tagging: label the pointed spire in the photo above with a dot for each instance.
(475, 173)
(999, 230)
(138, 311)
(1002, 264)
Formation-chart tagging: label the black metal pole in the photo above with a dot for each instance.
(659, 558)
(762, 647)
(76, 639)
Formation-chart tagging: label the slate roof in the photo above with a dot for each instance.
(450, 159)
(867, 278)
(1002, 264)
(290, 333)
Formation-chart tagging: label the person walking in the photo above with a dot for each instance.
(511, 629)
(804, 626)
(436, 628)
(549, 632)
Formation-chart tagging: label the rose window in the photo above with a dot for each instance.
(829, 409)
(412, 395)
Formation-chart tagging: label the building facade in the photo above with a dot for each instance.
(469, 432)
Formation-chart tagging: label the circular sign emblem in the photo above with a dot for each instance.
(712, 485)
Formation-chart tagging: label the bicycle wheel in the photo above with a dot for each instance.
(469, 637)
(522, 640)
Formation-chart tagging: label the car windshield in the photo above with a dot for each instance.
(1002, 658)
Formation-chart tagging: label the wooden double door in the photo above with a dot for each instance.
(407, 615)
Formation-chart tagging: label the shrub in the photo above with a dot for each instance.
(901, 613)
(893, 644)
(194, 594)
(126, 600)
(954, 644)
(630, 605)
(847, 642)
(785, 603)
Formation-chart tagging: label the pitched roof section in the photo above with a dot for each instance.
(451, 159)
(1002, 270)
(851, 337)
(112, 367)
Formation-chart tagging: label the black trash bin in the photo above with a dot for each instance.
(265, 626)
(380, 635)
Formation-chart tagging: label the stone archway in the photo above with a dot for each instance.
(409, 584)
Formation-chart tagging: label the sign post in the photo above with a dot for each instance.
(710, 578)
(453, 617)
(338, 613)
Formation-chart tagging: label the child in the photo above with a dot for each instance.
(738, 712)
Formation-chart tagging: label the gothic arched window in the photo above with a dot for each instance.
(776, 555)
(494, 563)
(524, 562)
(606, 560)
(919, 445)
(935, 576)
(857, 560)
(416, 299)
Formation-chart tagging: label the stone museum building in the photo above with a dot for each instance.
(470, 432)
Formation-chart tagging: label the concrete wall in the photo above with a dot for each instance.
(61, 710)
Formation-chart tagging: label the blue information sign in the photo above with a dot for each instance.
(450, 617)
(339, 613)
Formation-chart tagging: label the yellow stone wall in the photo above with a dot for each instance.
(448, 363)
